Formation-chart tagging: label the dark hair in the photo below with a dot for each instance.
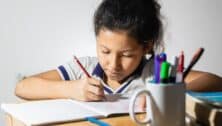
(140, 18)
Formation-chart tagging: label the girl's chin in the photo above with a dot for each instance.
(116, 78)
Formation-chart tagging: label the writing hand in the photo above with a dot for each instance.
(91, 89)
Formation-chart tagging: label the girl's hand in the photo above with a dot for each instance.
(89, 89)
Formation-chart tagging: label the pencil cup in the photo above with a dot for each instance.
(165, 104)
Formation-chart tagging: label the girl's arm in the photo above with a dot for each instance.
(203, 81)
(49, 85)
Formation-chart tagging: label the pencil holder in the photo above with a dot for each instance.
(165, 104)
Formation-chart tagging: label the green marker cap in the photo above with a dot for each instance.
(164, 73)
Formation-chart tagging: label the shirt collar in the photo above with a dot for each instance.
(98, 72)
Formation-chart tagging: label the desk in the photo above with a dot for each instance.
(123, 120)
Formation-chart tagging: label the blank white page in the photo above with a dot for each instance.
(47, 111)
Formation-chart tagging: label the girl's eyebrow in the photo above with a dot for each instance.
(104, 46)
(128, 50)
(124, 50)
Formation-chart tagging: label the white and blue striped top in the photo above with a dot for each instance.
(143, 74)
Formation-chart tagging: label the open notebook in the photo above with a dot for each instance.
(63, 110)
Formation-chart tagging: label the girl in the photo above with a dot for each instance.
(127, 31)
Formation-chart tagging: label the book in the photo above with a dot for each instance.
(211, 98)
(63, 110)
(205, 107)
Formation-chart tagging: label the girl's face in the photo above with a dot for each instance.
(119, 55)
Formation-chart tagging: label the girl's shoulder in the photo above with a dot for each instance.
(88, 60)
(73, 70)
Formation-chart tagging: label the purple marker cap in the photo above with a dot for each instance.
(157, 69)
(163, 57)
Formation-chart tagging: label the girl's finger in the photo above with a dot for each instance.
(92, 97)
(96, 90)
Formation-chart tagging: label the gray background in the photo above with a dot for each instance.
(38, 35)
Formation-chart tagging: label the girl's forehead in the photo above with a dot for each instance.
(105, 31)
(115, 35)
(117, 40)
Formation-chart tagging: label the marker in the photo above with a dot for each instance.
(97, 121)
(181, 62)
(164, 73)
(194, 60)
(180, 67)
(163, 57)
(173, 70)
(157, 69)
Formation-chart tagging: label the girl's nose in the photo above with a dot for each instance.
(114, 63)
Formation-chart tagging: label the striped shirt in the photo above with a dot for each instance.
(138, 79)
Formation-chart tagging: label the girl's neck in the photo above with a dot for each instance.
(111, 83)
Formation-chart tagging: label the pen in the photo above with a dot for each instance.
(97, 121)
(80, 65)
(194, 60)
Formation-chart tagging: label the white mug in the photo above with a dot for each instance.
(165, 104)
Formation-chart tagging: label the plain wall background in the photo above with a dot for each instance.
(38, 35)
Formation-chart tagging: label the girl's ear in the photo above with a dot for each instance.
(148, 47)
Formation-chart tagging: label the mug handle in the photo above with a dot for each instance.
(147, 120)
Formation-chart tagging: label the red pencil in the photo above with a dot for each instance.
(84, 70)
(80, 65)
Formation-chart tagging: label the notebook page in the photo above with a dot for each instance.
(114, 104)
(47, 111)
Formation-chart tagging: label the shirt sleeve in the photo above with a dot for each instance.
(71, 70)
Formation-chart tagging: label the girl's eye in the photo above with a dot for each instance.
(105, 51)
(127, 55)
